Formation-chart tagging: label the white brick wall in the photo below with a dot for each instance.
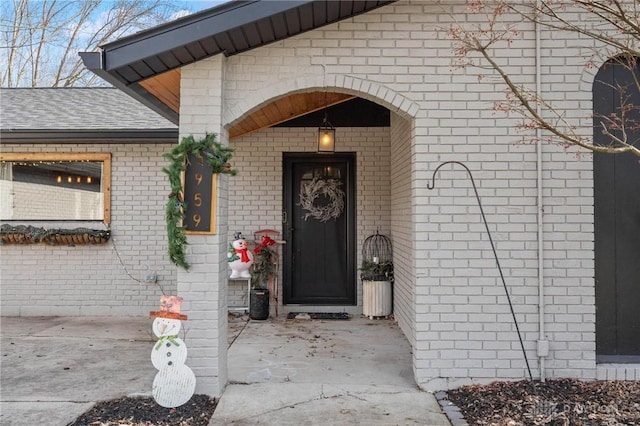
(32, 201)
(450, 301)
(462, 326)
(204, 287)
(40, 279)
(402, 229)
(618, 372)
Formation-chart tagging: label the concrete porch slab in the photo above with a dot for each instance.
(281, 372)
(289, 372)
(296, 404)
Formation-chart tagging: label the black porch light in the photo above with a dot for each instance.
(326, 133)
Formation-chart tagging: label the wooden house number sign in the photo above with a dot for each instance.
(199, 197)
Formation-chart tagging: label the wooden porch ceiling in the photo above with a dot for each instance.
(285, 109)
(166, 88)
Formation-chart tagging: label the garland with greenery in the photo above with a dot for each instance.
(215, 156)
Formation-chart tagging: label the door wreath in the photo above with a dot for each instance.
(312, 190)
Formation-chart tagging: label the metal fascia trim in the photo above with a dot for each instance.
(38, 136)
(206, 24)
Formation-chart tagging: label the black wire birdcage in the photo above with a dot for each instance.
(377, 258)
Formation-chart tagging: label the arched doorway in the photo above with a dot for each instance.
(319, 258)
(617, 217)
(377, 137)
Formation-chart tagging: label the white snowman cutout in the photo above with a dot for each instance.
(174, 383)
(239, 257)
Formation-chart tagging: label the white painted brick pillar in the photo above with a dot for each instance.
(425, 358)
(204, 286)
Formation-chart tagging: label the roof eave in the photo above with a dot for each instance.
(94, 62)
(132, 59)
(37, 136)
(157, 40)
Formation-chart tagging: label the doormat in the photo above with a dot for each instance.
(319, 315)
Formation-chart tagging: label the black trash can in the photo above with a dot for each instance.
(259, 304)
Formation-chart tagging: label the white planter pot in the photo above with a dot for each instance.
(377, 298)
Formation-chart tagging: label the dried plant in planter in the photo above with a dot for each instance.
(22, 234)
(265, 260)
(372, 271)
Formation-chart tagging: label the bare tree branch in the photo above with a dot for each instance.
(610, 23)
(42, 38)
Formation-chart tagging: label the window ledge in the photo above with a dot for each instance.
(21, 234)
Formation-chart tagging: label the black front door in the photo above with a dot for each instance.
(617, 222)
(319, 206)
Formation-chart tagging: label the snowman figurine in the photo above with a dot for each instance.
(239, 257)
(174, 383)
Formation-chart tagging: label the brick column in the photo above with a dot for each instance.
(204, 286)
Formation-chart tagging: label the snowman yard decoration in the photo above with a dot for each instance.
(239, 257)
(174, 383)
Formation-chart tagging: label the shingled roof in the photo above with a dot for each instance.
(73, 114)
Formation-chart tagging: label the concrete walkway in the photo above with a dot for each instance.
(280, 372)
(323, 372)
(55, 368)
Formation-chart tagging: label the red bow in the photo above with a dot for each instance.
(266, 242)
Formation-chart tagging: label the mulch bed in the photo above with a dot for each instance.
(560, 402)
(146, 412)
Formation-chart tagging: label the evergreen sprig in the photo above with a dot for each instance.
(215, 156)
